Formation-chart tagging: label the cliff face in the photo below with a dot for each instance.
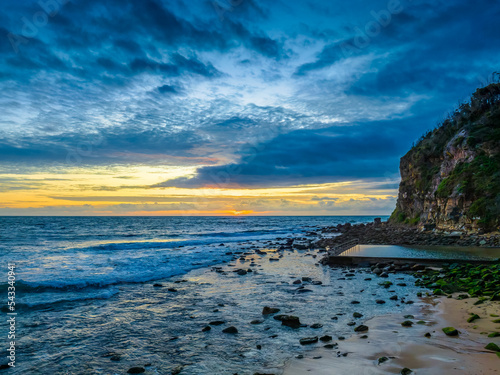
(451, 177)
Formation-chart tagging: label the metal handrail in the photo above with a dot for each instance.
(343, 247)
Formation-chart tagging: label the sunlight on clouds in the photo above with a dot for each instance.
(130, 191)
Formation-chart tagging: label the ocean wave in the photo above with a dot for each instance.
(208, 239)
(49, 298)
(128, 271)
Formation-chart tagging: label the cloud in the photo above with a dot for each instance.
(304, 157)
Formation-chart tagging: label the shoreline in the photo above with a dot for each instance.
(409, 348)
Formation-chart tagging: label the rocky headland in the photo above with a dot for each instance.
(450, 179)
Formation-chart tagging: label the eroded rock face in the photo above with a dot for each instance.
(450, 177)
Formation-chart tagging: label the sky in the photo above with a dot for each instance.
(227, 107)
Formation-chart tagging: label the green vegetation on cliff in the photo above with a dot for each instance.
(452, 175)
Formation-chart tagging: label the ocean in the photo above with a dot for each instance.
(99, 295)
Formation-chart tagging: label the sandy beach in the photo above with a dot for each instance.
(407, 347)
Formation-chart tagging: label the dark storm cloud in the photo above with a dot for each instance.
(306, 157)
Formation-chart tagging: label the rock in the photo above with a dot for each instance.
(385, 284)
(288, 320)
(231, 330)
(438, 292)
(172, 290)
(241, 272)
(494, 334)
(355, 302)
(393, 298)
(357, 315)
(269, 310)
(329, 346)
(406, 371)
(136, 370)
(326, 338)
(317, 325)
(382, 360)
(472, 318)
(157, 285)
(177, 370)
(427, 335)
(256, 321)
(351, 324)
(217, 322)
(493, 347)
(297, 282)
(205, 329)
(307, 279)
(380, 301)
(409, 317)
(450, 331)
(308, 340)
(407, 323)
(361, 328)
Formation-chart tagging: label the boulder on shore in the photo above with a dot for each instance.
(269, 310)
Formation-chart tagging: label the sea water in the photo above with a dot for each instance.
(87, 304)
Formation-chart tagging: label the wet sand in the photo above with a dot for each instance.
(409, 348)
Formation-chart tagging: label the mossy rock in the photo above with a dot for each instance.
(496, 321)
(357, 315)
(495, 297)
(406, 371)
(493, 347)
(494, 334)
(407, 323)
(473, 317)
(438, 292)
(386, 284)
(450, 331)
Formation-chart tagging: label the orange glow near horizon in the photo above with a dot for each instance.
(131, 191)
